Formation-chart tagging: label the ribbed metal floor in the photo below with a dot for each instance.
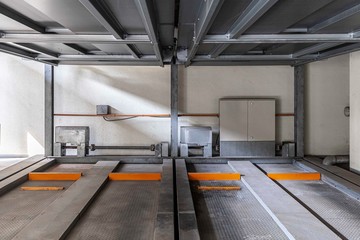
(335, 207)
(123, 210)
(18, 208)
(232, 214)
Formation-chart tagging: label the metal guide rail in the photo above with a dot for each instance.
(117, 198)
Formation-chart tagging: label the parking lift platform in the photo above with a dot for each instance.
(46, 198)
(108, 200)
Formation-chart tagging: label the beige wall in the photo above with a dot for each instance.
(327, 93)
(355, 111)
(21, 106)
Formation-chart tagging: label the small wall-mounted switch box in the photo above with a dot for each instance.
(102, 109)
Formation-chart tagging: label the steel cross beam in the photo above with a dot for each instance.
(252, 13)
(315, 48)
(35, 48)
(18, 17)
(103, 14)
(74, 39)
(147, 15)
(283, 38)
(332, 20)
(207, 14)
(22, 53)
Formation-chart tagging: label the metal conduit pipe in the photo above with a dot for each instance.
(332, 160)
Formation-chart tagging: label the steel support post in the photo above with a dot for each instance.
(174, 109)
(299, 83)
(49, 110)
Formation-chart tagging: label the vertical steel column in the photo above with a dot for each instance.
(299, 83)
(49, 110)
(174, 109)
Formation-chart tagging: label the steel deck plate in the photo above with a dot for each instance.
(19, 208)
(232, 214)
(336, 208)
(123, 210)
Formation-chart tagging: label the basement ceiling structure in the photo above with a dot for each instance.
(194, 32)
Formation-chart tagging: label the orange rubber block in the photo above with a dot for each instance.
(135, 176)
(226, 188)
(42, 188)
(312, 176)
(54, 176)
(214, 176)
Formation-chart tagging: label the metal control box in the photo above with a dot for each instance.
(195, 137)
(247, 127)
(102, 109)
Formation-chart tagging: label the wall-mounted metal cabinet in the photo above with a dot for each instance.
(247, 127)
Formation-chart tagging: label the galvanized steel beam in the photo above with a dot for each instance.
(207, 14)
(282, 38)
(332, 20)
(174, 110)
(314, 49)
(148, 18)
(76, 39)
(18, 17)
(35, 48)
(299, 88)
(65, 57)
(103, 14)
(252, 13)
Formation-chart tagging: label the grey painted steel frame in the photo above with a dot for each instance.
(49, 110)
(174, 109)
(299, 88)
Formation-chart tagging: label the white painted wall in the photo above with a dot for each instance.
(355, 111)
(21, 106)
(326, 95)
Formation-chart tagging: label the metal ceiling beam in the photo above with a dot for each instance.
(146, 12)
(252, 13)
(76, 39)
(243, 63)
(251, 57)
(22, 53)
(111, 63)
(314, 49)
(77, 48)
(18, 17)
(332, 20)
(104, 15)
(209, 10)
(333, 53)
(282, 38)
(65, 57)
(35, 48)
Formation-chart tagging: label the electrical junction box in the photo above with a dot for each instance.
(102, 109)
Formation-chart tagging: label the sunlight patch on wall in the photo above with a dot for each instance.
(33, 146)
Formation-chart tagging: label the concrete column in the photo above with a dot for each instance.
(299, 79)
(174, 109)
(355, 111)
(49, 110)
